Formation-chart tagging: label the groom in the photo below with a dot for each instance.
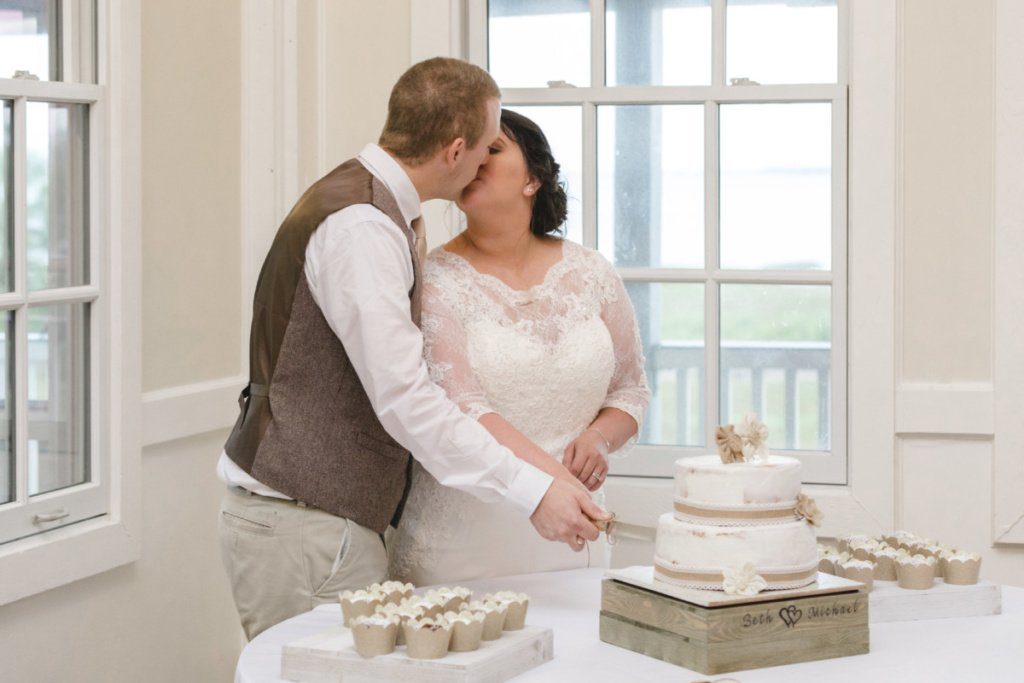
(318, 463)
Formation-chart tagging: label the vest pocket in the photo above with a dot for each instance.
(374, 444)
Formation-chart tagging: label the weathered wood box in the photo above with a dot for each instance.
(732, 633)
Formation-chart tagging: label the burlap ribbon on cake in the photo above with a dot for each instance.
(719, 577)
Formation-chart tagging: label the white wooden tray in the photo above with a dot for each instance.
(889, 602)
(643, 577)
(330, 656)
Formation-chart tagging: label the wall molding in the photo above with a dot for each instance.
(966, 408)
(1008, 277)
(190, 409)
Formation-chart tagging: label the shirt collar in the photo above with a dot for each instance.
(383, 166)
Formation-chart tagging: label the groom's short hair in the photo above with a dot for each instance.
(433, 103)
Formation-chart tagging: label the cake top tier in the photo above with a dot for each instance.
(772, 481)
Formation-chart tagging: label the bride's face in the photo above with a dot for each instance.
(500, 183)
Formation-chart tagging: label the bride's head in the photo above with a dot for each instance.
(519, 177)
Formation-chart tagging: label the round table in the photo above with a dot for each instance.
(978, 649)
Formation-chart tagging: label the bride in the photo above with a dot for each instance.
(535, 337)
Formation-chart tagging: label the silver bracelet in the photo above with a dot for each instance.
(607, 441)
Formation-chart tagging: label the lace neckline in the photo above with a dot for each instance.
(528, 294)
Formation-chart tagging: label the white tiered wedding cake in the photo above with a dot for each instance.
(740, 523)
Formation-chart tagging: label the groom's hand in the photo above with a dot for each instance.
(565, 513)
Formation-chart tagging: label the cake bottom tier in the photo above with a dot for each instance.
(695, 555)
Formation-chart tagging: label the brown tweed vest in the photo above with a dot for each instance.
(306, 427)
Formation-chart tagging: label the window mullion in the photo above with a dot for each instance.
(718, 42)
(711, 327)
(590, 175)
(597, 44)
(68, 41)
(19, 393)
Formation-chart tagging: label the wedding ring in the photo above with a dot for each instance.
(595, 475)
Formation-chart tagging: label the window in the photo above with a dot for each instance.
(704, 147)
(54, 470)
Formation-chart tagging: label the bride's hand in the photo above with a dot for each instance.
(587, 458)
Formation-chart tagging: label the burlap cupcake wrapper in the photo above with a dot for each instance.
(373, 640)
(396, 597)
(515, 618)
(426, 643)
(466, 637)
(885, 568)
(826, 565)
(433, 611)
(360, 608)
(915, 576)
(865, 575)
(863, 554)
(494, 624)
(962, 573)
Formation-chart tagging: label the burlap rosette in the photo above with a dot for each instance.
(427, 638)
(467, 630)
(915, 576)
(373, 638)
(962, 571)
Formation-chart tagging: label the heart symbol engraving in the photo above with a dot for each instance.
(790, 615)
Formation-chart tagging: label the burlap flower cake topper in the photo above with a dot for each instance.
(808, 509)
(745, 442)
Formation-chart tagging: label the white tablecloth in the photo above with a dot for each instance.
(977, 649)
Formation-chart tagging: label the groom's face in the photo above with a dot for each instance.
(475, 157)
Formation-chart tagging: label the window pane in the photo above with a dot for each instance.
(776, 360)
(30, 38)
(57, 195)
(776, 186)
(650, 185)
(671, 320)
(563, 127)
(58, 391)
(8, 480)
(6, 196)
(658, 42)
(782, 41)
(532, 42)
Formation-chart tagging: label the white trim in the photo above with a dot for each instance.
(953, 409)
(66, 554)
(683, 94)
(1008, 283)
(187, 410)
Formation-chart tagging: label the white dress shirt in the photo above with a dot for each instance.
(360, 272)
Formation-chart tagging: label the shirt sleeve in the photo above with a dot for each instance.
(360, 277)
(628, 389)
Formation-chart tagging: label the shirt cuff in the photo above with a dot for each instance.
(527, 489)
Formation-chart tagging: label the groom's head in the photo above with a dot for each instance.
(442, 116)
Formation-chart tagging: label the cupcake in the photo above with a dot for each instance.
(410, 608)
(901, 539)
(885, 563)
(826, 562)
(427, 638)
(450, 599)
(394, 591)
(863, 550)
(375, 634)
(494, 617)
(467, 630)
(962, 568)
(358, 603)
(838, 559)
(916, 572)
(845, 542)
(518, 604)
(860, 570)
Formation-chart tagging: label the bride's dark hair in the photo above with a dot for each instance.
(550, 205)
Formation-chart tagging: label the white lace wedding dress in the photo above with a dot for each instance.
(546, 359)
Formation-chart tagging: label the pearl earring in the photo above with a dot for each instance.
(529, 190)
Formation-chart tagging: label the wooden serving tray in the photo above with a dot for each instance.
(889, 602)
(711, 633)
(330, 656)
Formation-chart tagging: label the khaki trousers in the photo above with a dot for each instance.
(284, 558)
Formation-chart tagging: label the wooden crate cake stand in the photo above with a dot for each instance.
(712, 633)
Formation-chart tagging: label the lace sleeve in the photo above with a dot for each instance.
(444, 349)
(627, 390)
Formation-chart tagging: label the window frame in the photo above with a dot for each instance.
(819, 467)
(101, 530)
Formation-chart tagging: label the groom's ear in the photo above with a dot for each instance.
(454, 152)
